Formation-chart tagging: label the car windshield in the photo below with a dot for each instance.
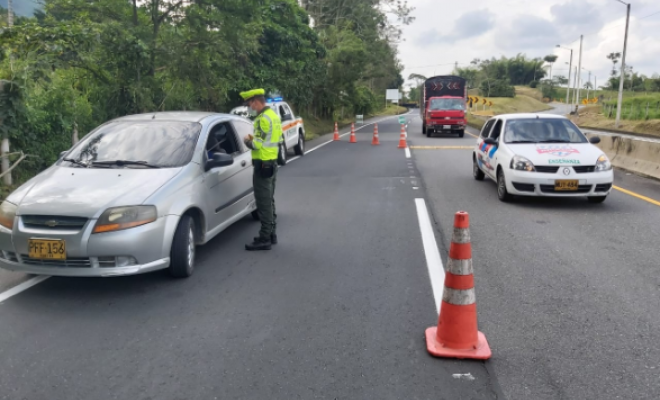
(138, 144)
(446, 104)
(539, 130)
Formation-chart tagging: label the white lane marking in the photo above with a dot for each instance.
(407, 152)
(433, 260)
(294, 158)
(347, 133)
(467, 376)
(22, 287)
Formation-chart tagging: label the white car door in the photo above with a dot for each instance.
(288, 128)
(484, 149)
(228, 188)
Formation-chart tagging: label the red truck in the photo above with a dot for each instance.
(442, 103)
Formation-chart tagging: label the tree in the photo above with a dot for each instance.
(588, 86)
(614, 57)
(561, 80)
(550, 59)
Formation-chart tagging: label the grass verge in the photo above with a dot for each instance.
(592, 117)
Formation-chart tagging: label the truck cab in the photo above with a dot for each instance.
(442, 101)
(445, 114)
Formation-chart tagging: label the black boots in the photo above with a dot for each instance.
(259, 244)
(273, 238)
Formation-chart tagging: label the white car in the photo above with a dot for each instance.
(541, 155)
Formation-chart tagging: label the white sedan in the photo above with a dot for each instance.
(541, 155)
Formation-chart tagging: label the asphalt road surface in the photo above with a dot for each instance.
(567, 295)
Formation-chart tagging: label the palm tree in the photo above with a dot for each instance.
(550, 59)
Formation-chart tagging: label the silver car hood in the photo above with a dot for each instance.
(83, 192)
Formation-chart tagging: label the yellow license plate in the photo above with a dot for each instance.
(44, 249)
(566, 185)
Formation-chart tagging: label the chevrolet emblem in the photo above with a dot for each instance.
(51, 224)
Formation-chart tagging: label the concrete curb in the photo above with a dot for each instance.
(641, 158)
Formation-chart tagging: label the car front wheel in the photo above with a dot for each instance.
(182, 260)
(477, 173)
(502, 193)
(300, 147)
(282, 155)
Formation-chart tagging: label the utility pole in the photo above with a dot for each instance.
(568, 84)
(4, 145)
(575, 92)
(589, 87)
(579, 81)
(623, 67)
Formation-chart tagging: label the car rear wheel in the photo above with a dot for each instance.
(182, 259)
(300, 147)
(502, 193)
(477, 173)
(282, 155)
(596, 199)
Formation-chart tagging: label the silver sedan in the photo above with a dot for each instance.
(136, 195)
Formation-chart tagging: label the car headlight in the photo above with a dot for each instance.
(521, 164)
(7, 214)
(603, 163)
(119, 218)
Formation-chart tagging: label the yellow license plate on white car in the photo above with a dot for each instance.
(567, 185)
(45, 249)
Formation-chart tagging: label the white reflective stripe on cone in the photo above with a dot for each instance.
(459, 267)
(461, 235)
(459, 297)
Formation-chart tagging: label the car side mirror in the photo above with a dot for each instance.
(490, 141)
(594, 140)
(219, 160)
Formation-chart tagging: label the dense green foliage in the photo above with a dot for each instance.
(635, 108)
(78, 63)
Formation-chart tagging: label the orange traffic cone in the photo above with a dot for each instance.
(353, 139)
(402, 138)
(456, 335)
(375, 140)
(336, 132)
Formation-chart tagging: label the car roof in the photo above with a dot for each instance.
(508, 117)
(181, 116)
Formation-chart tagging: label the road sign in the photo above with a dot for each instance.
(359, 119)
(392, 94)
(485, 101)
(476, 99)
(402, 120)
(490, 103)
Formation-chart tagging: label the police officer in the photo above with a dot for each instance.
(265, 145)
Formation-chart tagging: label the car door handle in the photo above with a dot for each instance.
(243, 163)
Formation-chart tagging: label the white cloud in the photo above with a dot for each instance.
(445, 33)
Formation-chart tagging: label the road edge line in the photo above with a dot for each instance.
(407, 152)
(431, 252)
(636, 195)
(21, 287)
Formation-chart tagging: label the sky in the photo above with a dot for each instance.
(445, 32)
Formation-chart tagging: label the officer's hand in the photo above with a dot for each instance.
(249, 138)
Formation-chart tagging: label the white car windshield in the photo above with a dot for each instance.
(446, 104)
(161, 144)
(539, 130)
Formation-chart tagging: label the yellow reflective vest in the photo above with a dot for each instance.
(267, 135)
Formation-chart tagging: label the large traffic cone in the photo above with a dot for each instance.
(353, 139)
(456, 335)
(402, 138)
(336, 132)
(375, 140)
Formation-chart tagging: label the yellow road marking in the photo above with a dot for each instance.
(639, 196)
(474, 136)
(441, 147)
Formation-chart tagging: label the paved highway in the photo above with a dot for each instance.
(567, 295)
